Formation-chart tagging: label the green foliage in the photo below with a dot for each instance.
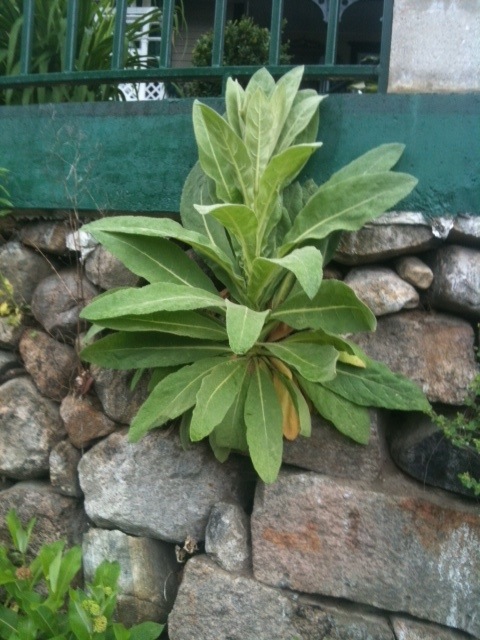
(245, 363)
(464, 431)
(38, 602)
(96, 21)
(9, 309)
(246, 43)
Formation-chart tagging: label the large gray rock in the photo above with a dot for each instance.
(52, 364)
(393, 546)
(30, 426)
(330, 452)
(456, 285)
(148, 579)
(155, 488)
(435, 350)
(408, 629)
(46, 236)
(8, 362)
(114, 391)
(382, 290)
(106, 271)
(384, 239)
(57, 517)
(213, 604)
(24, 269)
(227, 538)
(414, 271)
(421, 449)
(466, 231)
(9, 334)
(58, 300)
(83, 421)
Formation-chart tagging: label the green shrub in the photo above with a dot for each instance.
(96, 22)
(244, 364)
(246, 43)
(38, 602)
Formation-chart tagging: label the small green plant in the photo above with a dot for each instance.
(9, 309)
(243, 359)
(95, 29)
(246, 43)
(38, 602)
(464, 431)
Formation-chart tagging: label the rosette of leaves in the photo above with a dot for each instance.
(246, 356)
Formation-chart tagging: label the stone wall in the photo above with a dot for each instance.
(376, 542)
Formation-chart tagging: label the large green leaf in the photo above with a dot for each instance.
(149, 299)
(167, 228)
(146, 350)
(234, 99)
(304, 108)
(182, 323)
(334, 309)
(280, 171)
(377, 160)
(377, 386)
(347, 205)
(349, 418)
(314, 362)
(215, 396)
(241, 222)
(260, 133)
(305, 263)
(244, 326)
(223, 155)
(263, 418)
(155, 259)
(231, 432)
(172, 397)
(285, 92)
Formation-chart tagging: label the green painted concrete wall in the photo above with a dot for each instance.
(135, 156)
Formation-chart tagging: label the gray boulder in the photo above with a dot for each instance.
(227, 538)
(382, 290)
(24, 269)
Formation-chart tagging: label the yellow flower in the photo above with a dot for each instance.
(99, 624)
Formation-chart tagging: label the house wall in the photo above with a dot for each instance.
(435, 46)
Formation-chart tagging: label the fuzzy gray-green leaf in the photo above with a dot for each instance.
(314, 362)
(244, 326)
(377, 160)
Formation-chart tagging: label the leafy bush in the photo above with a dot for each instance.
(96, 22)
(244, 365)
(37, 601)
(246, 43)
(464, 431)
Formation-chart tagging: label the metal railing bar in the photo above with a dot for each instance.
(119, 34)
(71, 35)
(167, 29)
(385, 47)
(27, 36)
(276, 32)
(312, 72)
(332, 31)
(219, 32)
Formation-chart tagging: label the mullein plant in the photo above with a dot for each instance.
(243, 358)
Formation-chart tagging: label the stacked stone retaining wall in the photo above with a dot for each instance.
(376, 542)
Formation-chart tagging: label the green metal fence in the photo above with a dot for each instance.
(164, 72)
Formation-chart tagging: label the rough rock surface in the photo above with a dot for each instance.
(118, 400)
(414, 271)
(47, 236)
(435, 350)
(148, 579)
(382, 290)
(64, 460)
(156, 489)
(30, 427)
(227, 538)
(213, 604)
(330, 452)
(466, 230)
(51, 364)
(24, 269)
(106, 271)
(57, 517)
(84, 422)
(376, 242)
(420, 449)
(456, 285)
(9, 334)
(408, 629)
(58, 300)
(317, 535)
(8, 361)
